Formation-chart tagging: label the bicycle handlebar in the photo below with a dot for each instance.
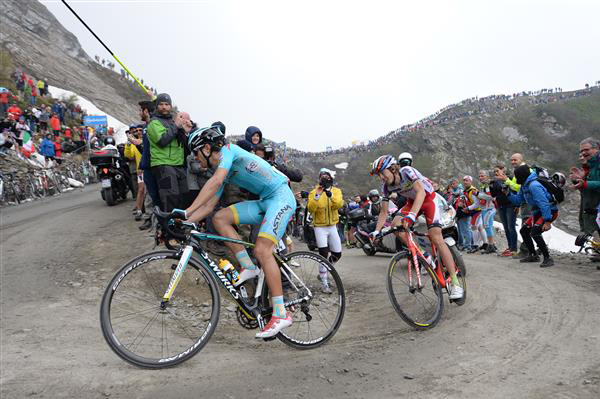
(164, 218)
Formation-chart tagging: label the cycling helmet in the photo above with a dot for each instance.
(373, 192)
(109, 140)
(405, 159)
(559, 179)
(382, 163)
(206, 135)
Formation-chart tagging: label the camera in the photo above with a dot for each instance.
(325, 183)
(304, 194)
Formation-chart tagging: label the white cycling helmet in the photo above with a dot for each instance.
(405, 159)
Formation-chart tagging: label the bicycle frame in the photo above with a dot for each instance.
(415, 251)
(253, 311)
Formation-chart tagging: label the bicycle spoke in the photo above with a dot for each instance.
(134, 313)
(145, 329)
(158, 295)
(183, 328)
(136, 297)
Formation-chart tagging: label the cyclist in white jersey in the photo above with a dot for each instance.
(410, 183)
(273, 210)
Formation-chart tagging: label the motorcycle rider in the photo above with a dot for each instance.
(110, 144)
(373, 209)
(324, 209)
(405, 159)
(408, 182)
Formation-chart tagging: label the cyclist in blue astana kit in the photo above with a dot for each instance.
(273, 210)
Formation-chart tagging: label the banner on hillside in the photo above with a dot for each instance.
(95, 120)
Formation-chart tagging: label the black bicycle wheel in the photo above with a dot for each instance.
(145, 334)
(316, 320)
(420, 307)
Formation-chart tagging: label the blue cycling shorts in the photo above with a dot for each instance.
(273, 213)
(487, 216)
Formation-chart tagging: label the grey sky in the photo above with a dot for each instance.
(319, 73)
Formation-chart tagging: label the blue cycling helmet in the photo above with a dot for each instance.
(382, 163)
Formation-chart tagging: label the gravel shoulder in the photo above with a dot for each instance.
(524, 332)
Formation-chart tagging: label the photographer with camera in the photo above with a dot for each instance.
(323, 203)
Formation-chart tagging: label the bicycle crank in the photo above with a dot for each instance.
(245, 321)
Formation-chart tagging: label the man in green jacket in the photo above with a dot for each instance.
(167, 154)
(587, 180)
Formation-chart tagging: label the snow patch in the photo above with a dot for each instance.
(118, 126)
(555, 238)
(343, 165)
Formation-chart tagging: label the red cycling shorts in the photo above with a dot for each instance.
(429, 208)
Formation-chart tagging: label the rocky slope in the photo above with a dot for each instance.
(42, 47)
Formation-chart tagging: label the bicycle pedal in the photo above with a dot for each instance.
(269, 338)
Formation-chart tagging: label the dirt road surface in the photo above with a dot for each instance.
(525, 332)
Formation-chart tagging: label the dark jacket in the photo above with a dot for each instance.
(145, 161)
(293, 174)
(535, 194)
(251, 131)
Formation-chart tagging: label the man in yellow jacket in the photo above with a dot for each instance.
(323, 203)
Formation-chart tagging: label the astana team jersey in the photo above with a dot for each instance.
(249, 172)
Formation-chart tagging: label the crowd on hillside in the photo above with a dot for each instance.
(31, 121)
(459, 111)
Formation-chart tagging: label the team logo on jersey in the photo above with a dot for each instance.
(252, 166)
(278, 218)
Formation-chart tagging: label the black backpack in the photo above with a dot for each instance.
(558, 194)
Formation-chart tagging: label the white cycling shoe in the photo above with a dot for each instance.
(275, 325)
(456, 292)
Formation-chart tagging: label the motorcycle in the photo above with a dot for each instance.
(113, 180)
(389, 244)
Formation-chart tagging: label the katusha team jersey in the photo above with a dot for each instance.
(408, 176)
(249, 172)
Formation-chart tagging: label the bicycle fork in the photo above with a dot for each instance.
(183, 261)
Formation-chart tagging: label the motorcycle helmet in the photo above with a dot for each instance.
(405, 159)
(382, 163)
(109, 140)
(374, 193)
(559, 179)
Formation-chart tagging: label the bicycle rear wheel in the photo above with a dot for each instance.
(145, 334)
(421, 307)
(317, 319)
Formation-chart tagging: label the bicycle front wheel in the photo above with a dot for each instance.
(316, 319)
(419, 306)
(146, 334)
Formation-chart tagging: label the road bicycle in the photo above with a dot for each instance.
(161, 308)
(416, 283)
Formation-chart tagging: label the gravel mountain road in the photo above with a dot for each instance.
(524, 332)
